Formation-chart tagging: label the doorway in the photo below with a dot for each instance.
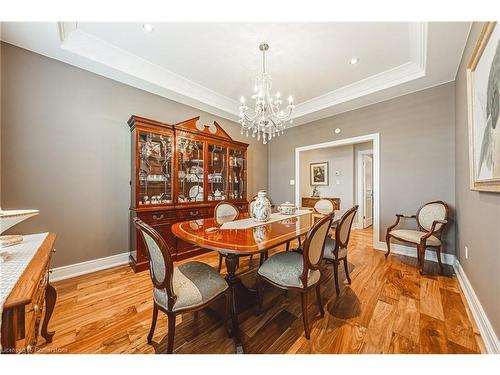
(365, 188)
(373, 164)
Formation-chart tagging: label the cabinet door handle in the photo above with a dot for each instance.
(159, 217)
(194, 213)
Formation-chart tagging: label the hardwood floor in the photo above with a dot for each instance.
(389, 308)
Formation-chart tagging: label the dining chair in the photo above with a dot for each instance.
(431, 220)
(321, 208)
(188, 287)
(223, 213)
(336, 249)
(291, 270)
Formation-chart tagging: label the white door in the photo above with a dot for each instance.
(367, 190)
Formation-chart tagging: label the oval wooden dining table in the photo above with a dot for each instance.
(208, 234)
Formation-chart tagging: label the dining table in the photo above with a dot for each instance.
(241, 237)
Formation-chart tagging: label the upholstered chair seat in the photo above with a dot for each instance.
(194, 284)
(329, 250)
(285, 268)
(414, 236)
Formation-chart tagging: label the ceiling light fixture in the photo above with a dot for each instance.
(354, 60)
(148, 27)
(268, 119)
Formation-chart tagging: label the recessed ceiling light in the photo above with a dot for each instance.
(354, 60)
(148, 27)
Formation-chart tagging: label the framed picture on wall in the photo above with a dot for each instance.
(319, 174)
(483, 85)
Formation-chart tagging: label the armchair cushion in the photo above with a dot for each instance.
(285, 268)
(414, 236)
(329, 246)
(194, 283)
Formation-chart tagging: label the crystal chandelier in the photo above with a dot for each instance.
(268, 119)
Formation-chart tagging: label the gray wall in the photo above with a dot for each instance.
(416, 144)
(339, 159)
(478, 213)
(66, 151)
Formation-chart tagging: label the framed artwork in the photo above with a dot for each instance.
(483, 86)
(319, 174)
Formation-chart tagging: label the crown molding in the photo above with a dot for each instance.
(110, 61)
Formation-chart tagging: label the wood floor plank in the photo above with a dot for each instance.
(458, 327)
(432, 335)
(379, 334)
(430, 299)
(388, 308)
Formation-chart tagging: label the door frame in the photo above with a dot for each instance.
(360, 183)
(375, 138)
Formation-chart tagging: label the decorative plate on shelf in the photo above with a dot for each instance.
(195, 191)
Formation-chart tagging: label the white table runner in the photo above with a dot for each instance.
(250, 223)
(19, 257)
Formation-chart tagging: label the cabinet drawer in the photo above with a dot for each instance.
(193, 213)
(156, 216)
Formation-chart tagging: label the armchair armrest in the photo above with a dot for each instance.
(433, 229)
(398, 218)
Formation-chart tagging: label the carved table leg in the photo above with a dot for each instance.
(50, 302)
(242, 298)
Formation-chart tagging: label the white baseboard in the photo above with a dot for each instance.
(485, 328)
(412, 252)
(67, 272)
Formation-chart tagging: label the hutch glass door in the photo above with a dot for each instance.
(191, 170)
(237, 168)
(155, 168)
(217, 172)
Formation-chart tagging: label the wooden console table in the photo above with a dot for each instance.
(30, 297)
(311, 201)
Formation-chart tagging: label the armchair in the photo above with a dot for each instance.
(431, 220)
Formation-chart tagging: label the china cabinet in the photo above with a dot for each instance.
(180, 172)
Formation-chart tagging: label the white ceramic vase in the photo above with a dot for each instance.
(261, 209)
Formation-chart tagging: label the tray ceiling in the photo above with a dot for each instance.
(210, 65)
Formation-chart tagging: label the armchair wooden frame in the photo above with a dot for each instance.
(308, 266)
(422, 246)
(167, 284)
(339, 245)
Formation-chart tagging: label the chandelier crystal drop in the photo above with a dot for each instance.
(268, 119)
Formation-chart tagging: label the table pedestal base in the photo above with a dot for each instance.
(242, 299)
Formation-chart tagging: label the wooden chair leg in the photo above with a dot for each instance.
(262, 258)
(220, 262)
(171, 333)
(300, 243)
(421, 258)
(153, 323)
(287, 246)
(336, 276)
(388, 242)
(438, 253)
(251, 258)
(318, 299)
(303, 296)
(347, 271)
